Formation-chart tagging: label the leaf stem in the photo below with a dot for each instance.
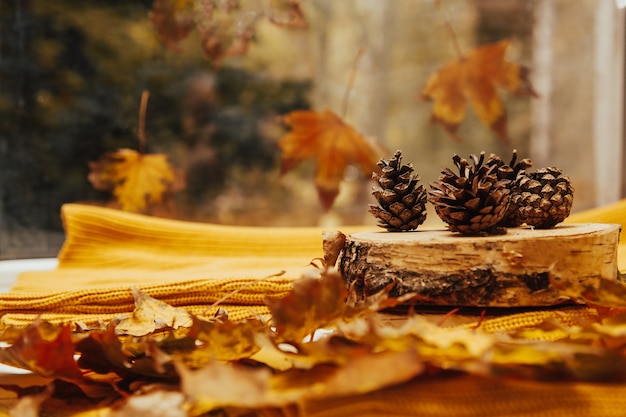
(344, 106)
(243, 287)
(446, 22)
(141, 129)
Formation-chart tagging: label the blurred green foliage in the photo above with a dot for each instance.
(71, 77)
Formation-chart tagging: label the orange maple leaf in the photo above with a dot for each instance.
(135, 179)
(45, 349)
(312, 303)
(476, 77)
(332, 142)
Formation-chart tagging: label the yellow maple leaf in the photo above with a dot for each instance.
(135, 179)
(332, 142)
(151, 314)
(476, 77)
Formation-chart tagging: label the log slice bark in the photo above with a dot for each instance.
(511, 270)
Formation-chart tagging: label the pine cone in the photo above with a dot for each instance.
(545, 198)
(473, 201)
(402, 202)
(514, 172)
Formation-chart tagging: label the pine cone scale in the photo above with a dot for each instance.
(402, 203)
(482, 196)
(545, 198)
(473, 201)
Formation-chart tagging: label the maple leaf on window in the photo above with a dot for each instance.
(225, 28)
(332, 142)
(476, 77)
(288, 13)
(134, 178)
(218, 46)
(172, 20)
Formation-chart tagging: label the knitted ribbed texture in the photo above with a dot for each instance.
(184, 264)
(99, 237)
(475, 396)
(190, 265)
(566, 316)
(194, 265)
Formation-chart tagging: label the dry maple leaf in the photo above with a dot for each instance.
(46, 350)
(219, 384)
(312, 303)
(225, 27)
(172, 20)
(150, 315)
(606, 296)
(363, 354)
(476, 77)
(293, 15)
(109, 358)
(332, 142)
(364, 372)
(135, 179)
(157, 403)
(332, 245)
(226, 340)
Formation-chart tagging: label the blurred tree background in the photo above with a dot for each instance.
(72, 75)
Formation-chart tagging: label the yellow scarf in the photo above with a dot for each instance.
(185, 264)
(196, 265)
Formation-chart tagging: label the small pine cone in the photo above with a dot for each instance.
(474, 201)
(514, 172)
(545, 198)
(402, 201)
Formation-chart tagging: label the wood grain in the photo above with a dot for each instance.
(511, 270)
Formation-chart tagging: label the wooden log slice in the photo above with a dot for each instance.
(510, 270)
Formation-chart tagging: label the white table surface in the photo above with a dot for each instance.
(9, 270)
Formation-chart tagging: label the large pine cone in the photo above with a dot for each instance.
(473, 201)
(545, 198)
(402, 201)
(514, 171)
